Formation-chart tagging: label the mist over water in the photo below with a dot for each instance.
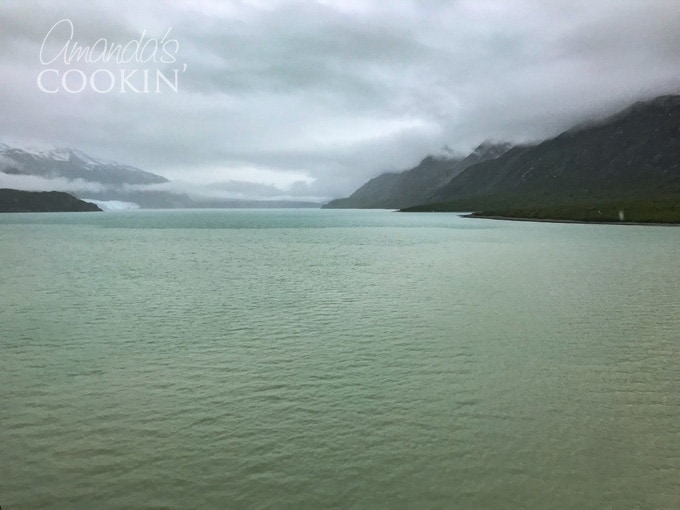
(350, 359)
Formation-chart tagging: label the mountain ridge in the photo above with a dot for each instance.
(110, 181)
(393, 190)
(631, 155)
(72, 164)
(634, 154)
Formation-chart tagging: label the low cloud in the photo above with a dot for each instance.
(233, 190)
(35, 183)
(228, 190)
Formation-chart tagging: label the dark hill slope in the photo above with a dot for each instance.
(12, 200)
(417, 185)
(632, 155)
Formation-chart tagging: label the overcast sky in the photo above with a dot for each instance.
(316, 97)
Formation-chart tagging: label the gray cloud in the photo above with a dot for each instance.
(36, 183)
(312, 98)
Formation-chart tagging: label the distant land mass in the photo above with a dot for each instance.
(629, 161)
(14, 201)
(72, 164)
(109, 181)
(417, 185)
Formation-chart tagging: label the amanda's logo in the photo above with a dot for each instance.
(142, 65)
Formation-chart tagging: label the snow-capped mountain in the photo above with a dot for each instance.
(71, 164)
(112, 185)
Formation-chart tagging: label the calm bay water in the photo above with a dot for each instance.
(336, 359)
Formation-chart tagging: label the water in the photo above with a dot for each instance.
(336, 359)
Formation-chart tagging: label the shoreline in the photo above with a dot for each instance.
(580, 222)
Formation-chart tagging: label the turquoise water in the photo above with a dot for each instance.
(336, 359)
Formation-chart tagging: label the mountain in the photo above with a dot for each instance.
(395, 190)
(108, 181)
(72, 164)
(633, 155)
(631, 158)
(417, 185)
(12, 200)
